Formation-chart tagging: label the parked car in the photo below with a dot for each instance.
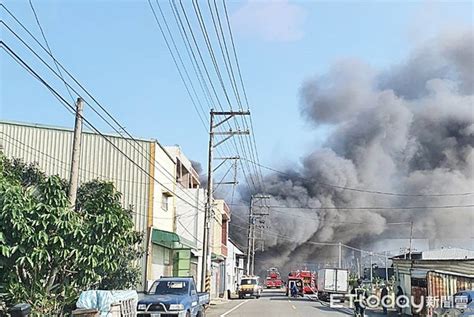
(175, 296)
(250, 286)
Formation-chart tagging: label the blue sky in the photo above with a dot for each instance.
(115, 49)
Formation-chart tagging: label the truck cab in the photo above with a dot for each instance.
(250, 286)
(173, 296)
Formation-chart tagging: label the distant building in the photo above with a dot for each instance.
(234, 266)
(436, 273)
(219, 236)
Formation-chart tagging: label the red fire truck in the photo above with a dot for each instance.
(273, 279)
(308, 278)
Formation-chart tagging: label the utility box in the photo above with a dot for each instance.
(20, 310)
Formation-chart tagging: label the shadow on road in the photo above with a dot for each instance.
(285, 298)
(329, 309)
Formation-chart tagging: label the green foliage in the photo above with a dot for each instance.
(353, 277)
(50, 252)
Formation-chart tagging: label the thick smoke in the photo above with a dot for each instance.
(408, 129)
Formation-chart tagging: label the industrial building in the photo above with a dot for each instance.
(438, 274)
(160, 186)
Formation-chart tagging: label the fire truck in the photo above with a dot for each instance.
(308, 279)
(273, 279)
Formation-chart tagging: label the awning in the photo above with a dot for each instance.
(217, 257)
(168, 239)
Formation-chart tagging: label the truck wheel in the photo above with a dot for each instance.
(201, 313)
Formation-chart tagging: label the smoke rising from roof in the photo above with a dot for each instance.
(407, 129)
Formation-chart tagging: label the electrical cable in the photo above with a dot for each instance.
(359, 189)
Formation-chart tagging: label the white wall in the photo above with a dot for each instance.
(233, 272)
(165, 174)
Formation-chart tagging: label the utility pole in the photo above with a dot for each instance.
(358, 265)
(411, 239)
(208, 212)
(386, 267)
(253, 216)
(249, 236)
(340, 255)
(371, 269)
(252, 269)
(76, 154)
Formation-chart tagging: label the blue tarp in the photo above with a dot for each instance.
(102, 300)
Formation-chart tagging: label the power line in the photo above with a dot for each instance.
(230, 72)
(204, 66)
(162, 30)
(366, 208)
(64, 103)
(242, 85)
(203, 28)
(274, 234)
(176, 62)
(358, 189)
(49, 48)
(171, 176)
(183, 215)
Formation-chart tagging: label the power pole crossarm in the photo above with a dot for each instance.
(76, 154)
(231, 113)
(206, 259)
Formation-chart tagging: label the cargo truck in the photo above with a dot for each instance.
(332, 281)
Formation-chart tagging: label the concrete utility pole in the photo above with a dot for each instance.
(76, 154)
(208, 213)
(411, 239)
(386, 267)
(252, 269)
(253, 216)
(249, 236)
(371, 269)
(340, 255)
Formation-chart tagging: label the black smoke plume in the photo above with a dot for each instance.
(407, 129)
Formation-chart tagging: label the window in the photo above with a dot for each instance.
(165, 201)
(248, 281)
(170, 287)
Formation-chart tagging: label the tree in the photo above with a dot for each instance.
(49, 252)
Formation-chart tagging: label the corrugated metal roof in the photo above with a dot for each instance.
(447, 253)
(456, 266)
(52, 127)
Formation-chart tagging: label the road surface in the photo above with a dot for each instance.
(274, 303)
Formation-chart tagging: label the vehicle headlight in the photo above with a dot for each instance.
(176, 307)
(141, 306)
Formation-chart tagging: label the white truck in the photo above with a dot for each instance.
(332, 281)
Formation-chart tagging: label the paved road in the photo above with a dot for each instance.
(274, 303)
